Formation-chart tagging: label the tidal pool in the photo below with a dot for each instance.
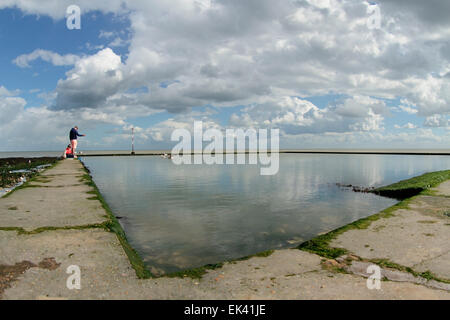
(183, 216)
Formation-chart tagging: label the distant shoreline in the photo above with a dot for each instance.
(110, 153)
(324, 151)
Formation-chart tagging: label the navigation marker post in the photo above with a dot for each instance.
(132, 142)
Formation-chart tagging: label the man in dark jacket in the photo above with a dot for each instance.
(73, 136)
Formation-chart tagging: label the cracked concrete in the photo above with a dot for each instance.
(106, 272)
(417, 237)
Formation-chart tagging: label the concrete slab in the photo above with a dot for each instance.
(408, 239)
(62, 201)
(439, 265)
(31, 208)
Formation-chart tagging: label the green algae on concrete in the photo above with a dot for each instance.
(321, 244)
(413, 186)
(197, 273)
(428, 275)
(32, 178)
(22, 231)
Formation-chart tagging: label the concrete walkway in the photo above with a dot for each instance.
(52, 225)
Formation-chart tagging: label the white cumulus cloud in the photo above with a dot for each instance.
(54, 58)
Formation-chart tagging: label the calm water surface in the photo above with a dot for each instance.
(185, 216)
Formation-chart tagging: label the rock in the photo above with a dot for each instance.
(331, 263)
(353, 257)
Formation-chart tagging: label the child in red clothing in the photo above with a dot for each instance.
(68, 153)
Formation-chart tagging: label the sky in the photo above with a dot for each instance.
(326, 73)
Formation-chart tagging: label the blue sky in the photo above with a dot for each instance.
(314, 70)
(20, 33)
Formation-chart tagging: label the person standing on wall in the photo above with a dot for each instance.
(73, 136)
